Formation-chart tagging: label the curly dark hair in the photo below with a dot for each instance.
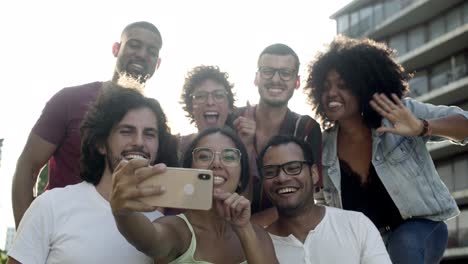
(187, 158)
(110, 107)
(366, 67)
(196, 77)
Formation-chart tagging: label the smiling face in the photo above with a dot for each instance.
(288, 192)
(225, 177)
(210, 105)
(138, 54)
(135, 136)
(275, 91)
(337, 100)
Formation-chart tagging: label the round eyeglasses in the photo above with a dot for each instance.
(285, 74)
(229, 157)
(200, 97)
(290, 168)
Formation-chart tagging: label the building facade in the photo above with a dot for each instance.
(431, 39)
(10, 236)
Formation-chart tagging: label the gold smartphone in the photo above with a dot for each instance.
(185, 188)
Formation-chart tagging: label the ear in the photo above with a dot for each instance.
(115, 49)
(315, 175)
(101, 148)
(256, 79)
(158, 63)
(298, 82)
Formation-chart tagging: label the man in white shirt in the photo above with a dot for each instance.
(305, 232)
(75, 224)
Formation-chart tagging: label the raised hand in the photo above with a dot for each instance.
(233, 207)
(403, 121)
(245, 126)
(126, 191)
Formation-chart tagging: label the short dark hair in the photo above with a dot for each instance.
(145, 25)
(110, 107)
(283, 140)
(279, 49)
(228, 132)
(196, 77)
(366, 67)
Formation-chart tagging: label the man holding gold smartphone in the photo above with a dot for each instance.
(57, 227)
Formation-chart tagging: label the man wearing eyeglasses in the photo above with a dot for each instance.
(277, 78)
(305, 232)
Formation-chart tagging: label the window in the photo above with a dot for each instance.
(460, 169)
(463, 229)
(445, 172)
(460, 67)
(465, 13)
(365, 17)
(391, 7)
(436, 28)
(419, 84)
(353, 29)
(452, 233)
(343, 23)
(454, 19)
(378, 14)
(416, 37)
(398, 42)
(440, 75)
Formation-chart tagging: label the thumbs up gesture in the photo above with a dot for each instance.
(245, 126)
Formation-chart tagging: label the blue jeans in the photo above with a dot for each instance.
(417, 241)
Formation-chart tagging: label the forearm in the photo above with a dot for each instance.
(22, 190)
(454, 127)
(255, 251)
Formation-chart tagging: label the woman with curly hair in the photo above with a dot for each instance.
(374, 156)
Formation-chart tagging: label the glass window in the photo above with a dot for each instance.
(416, 37)
(398, 42)
(445, 172)
(463, 229)
(440, 75)
(465, 12)
(419, 84)
(460, 170)
(353, 29)
(343, 23)
(436, 28)
(454, 19)
(365, 17)
(378, 14)
(452, 233)
(460, 67)
(391, 7)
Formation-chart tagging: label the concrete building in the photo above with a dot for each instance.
(431, 37)
(10, 235)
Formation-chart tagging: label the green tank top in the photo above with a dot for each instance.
(187, 257)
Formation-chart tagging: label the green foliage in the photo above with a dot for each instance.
(3, 257)
(42, 181)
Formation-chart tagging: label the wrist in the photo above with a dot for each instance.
(426, 129)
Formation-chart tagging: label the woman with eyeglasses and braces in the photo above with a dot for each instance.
(222, 234)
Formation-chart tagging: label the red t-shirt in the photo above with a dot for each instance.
(59, 124)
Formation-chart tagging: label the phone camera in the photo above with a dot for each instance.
(203, 176)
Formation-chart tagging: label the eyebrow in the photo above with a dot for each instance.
(127, 126)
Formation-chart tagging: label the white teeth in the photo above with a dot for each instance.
(137, 65)
(218, 180)
(334, 104)
(211, 113)
(286, 190)
(134, 156)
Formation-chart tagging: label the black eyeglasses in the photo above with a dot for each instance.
(285, 74)
(229, 157)
(290, 168)
(201, 97)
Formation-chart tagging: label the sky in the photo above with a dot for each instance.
(47, 45)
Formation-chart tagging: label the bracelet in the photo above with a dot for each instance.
(426, 129)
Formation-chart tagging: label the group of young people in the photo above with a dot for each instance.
(280, 184)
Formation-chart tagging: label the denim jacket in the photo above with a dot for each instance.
(404, 166)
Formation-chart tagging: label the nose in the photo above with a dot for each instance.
(276, 76)
(137, 140)
(210, 99)
(216, 163)
(282, 177)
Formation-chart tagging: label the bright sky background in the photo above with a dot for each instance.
(47, 45)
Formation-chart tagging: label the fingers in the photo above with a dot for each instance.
(143, 173)
(249, 111)
(233, 205)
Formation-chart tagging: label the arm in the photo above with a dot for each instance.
(159, 239)
(373, 250)
(35, 155)
(256, 243)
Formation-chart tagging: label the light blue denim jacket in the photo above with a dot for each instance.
(404, 166)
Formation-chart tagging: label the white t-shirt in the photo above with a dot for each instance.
(73, 225)
(341, 237)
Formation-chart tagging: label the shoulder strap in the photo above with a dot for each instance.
(303, 126)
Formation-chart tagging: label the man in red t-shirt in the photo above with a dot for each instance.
(55, 138)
